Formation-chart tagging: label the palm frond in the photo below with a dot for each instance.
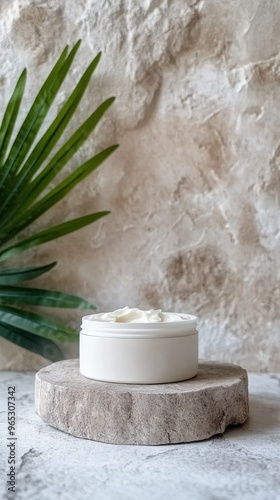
(38, 112)
(26, 170)
(22, 274)
(42, 298)
(45, 347)
(25, 218)
(14, 193)
(10, 116)
(51, 234)
(35, 323)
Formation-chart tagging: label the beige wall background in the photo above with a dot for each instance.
(194, 187)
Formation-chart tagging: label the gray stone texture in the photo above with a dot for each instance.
(241, 464)
(142, 414)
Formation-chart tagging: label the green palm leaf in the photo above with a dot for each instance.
(26, 218)
(26, 170)
(51, 234)
(21, 274)
(10, 116)
(38, 297)
(42, 180)
(37, 324)
(38, 111)
(17, 222)
(45, 347)
(49, 140)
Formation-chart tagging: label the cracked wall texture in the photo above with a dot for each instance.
(194, 187)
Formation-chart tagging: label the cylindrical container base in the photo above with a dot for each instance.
(139, 359)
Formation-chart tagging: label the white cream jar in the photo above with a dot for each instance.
(139, 347)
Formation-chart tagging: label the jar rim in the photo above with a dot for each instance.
(148, 330)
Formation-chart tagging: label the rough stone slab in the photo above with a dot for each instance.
(241, 464)
(142, 414)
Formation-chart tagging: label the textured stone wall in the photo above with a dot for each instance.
(194, 187)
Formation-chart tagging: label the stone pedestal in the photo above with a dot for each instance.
(186, 411)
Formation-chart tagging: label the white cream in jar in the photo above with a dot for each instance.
(134, 315)
(139, 347)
